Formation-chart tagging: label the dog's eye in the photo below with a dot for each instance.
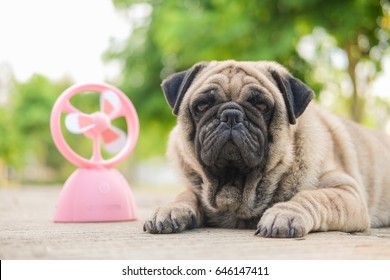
(259, 104)
(202, 107)
(262, 107)
(204, 103)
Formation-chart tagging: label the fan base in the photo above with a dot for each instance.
(95, 195)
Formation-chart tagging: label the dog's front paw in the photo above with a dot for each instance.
(284, 221)
(172, 218)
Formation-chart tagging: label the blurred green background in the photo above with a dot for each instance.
(340, 48)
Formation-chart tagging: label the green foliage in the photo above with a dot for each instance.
(142, 62)
(26, 123)
(10, 140)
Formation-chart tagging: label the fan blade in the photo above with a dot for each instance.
(109, 103)
(78, 123)
(114, 139)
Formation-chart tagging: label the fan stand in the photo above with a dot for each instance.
(95, 195)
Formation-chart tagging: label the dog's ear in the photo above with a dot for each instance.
(296, 94)
(176, 85)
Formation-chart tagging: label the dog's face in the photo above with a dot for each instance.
(233, 115)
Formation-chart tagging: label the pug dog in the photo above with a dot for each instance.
(254, 152)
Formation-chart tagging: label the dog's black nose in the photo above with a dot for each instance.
(232, 116)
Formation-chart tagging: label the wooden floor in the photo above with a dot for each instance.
(28, 232)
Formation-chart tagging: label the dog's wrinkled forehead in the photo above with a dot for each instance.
(231, 80)
(232, 76)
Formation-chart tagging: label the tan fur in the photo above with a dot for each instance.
(323, 173)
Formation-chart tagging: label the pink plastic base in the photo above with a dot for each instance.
(95, 195)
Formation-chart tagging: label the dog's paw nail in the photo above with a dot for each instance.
(151, 226)
(144, 227)
(160, 227)
(257, 232)
(274, 232)
(175, 225)
(291, 232)
(193, 222)
(263, 232)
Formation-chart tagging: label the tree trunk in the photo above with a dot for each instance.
(357, 101)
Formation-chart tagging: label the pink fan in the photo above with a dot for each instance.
(96, 192)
